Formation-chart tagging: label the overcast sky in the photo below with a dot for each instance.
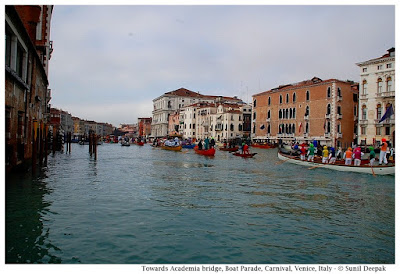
(110, 62)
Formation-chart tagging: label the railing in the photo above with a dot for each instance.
(339, 98)
(363, 122)
(339, 135)
(305, 134)
(306, 117)
(387, 94)
(339, 116)
(327, 135)
(327, 116)
(268, 120)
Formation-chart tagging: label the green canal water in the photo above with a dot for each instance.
(141, 205)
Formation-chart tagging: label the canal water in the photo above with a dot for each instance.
(142, 205)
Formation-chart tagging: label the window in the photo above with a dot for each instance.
(363, 130)
(307, 95)
(290, 113)
(307, 111)
(328, 92)
(269, 101)
(269, 114)
(20, 60)
(364, 69)
(307, 127)
(389, 84)
(287, 113)
(364, 87)
(280, 114)
(294, 97)
(280, 99)
(8, 48)
(389, 65)
(254, 115)
(240, 127)
(287, 98)
(269, 129)
(380, 85)
(378, 130)
(387, 130)
(328, 109)
(379, 67)
(294, 113)
(339, 128)
(339, 92)
(379, 111)
(364, 112)
(255, 103)
(328, 129)
(232, 127)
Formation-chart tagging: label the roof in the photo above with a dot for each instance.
(302, 84)
(184, 92)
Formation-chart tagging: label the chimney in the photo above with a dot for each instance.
(30, 16)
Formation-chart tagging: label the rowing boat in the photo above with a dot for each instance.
(208, 152)
(189, 146)
(380, 170)
(173, 148)
(229, 148)
(263, 145)
(244, 155)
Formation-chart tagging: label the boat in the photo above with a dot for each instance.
(139, 143)
(189, 146)
(208, 152)
(229, 149)
(363, 168)
(173, 148)
(245, 155)
(263, 145)
(125, 144)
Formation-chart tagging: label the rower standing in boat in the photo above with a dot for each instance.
(310, 153)
(332, 156)
(348, 156)
(372, 156)
(325, 154)
(245, 149)
(357, 156)
(212, 142)
(200, 144)
(382, 154)
(303, 152)
(206, 143)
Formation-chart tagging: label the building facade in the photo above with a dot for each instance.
(173, 101)
(314, 109)
(27, 95)
(377, 97)
(144, 125)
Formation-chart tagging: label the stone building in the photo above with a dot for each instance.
(173, 101)
(377, 98)
(27, 53)
(322, 110)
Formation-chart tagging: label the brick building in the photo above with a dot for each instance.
(324, 110)
(27, 52)
(144, 125)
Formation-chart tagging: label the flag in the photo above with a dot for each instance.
(388, 113)
(325, 124)
(262, 127)
(300, 127)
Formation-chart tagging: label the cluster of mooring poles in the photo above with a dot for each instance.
(93, 139)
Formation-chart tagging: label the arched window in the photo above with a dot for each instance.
(286, 129)
(232, 127)
(307, 111)
(290, 113)
(280, 114)
(254, 115)
(307, 95)
(339, 92)
(339, 110)
(364, 87)
(364, 112)
(328, 129)
(328, 92)
(294, 97)
(280, 99)
(287, 98)
(307, 128)
(269, 114)
(287, 114)
(380, 85)
(339, 128)
(294, 113)
(328, 109)
(389, 84)
(269, 128)
(255, 103)
(379, 111)
(269, 101)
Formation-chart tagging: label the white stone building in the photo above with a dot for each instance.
(377, 95)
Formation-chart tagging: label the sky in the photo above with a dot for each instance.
(110, 61)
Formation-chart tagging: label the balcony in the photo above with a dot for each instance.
(387, 122)
(327, 116)
(327, 135)
(339, 116)
(306, 117)
(268, 120)
(387, 94)
(339, 135)
(339, 98)
(305, 135)
(363, 122)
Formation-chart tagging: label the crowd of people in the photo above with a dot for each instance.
(351, 156)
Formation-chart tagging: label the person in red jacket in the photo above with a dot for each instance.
(303, 152)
